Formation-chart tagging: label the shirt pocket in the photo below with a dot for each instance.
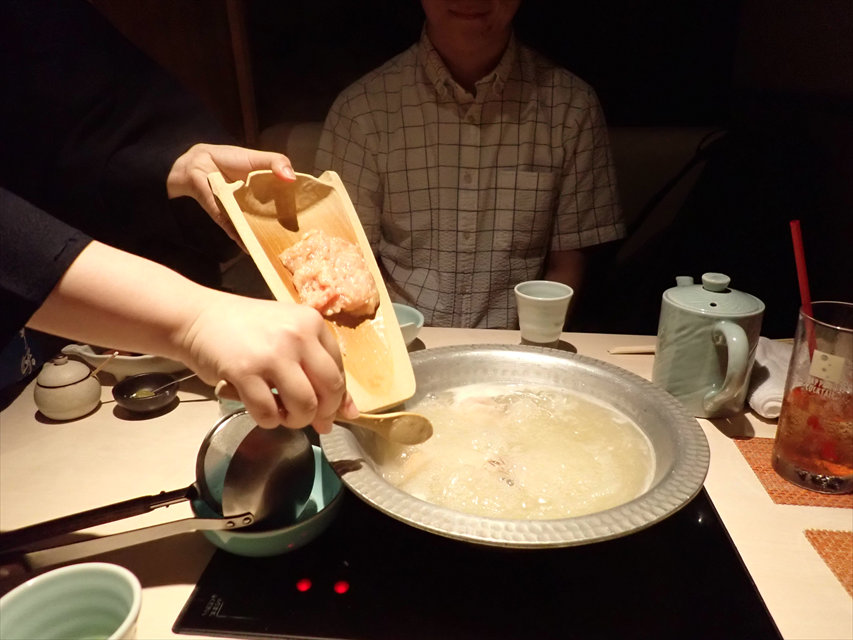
(524, 205)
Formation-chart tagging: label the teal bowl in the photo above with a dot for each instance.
(411, 321)
(319, 512)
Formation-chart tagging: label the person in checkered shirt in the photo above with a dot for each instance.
(474, 163)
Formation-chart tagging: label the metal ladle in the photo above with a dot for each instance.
(259, 473)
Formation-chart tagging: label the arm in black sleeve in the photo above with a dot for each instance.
(90, 127)
(37, 250)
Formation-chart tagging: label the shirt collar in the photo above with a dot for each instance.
(433, 65)
(439, 75)
(499, 76)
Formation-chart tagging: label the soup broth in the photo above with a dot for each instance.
(525, 452)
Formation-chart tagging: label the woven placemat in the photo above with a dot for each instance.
(758, 452)
(836, 549)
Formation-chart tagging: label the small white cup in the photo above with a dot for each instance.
(542, 308)
(87, 600)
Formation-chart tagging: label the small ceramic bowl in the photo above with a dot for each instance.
(134, 392)
(411, 321)
(322, 507)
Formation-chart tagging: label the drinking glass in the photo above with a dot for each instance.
(814, 438)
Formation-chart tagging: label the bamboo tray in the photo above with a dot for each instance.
(271, 215)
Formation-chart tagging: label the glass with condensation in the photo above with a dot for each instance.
(814, 437)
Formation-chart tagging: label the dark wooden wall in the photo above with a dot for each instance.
(203, 43)
(258, 62)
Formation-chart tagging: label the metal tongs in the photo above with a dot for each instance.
(266, 471)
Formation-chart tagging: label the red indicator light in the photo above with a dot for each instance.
(341, 586)
(303, 584)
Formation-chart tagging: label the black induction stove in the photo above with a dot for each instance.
(370, 577)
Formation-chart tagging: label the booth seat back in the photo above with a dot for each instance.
(646, 159)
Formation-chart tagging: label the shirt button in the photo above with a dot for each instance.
(466, 177)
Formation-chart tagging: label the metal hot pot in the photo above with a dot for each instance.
(679, 445)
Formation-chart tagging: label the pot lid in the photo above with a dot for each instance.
(712, 297)
(61, 372)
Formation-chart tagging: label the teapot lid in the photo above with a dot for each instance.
(712, 297)
(61, 372)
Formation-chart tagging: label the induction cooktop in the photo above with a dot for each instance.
(370, 577)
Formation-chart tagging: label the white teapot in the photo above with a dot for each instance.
(707, 336)
(66, 389)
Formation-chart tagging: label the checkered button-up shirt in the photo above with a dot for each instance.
(463, 196)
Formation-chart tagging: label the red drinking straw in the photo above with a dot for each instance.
(802, 274)
(803, 279)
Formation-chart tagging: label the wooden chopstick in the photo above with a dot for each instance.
(633, 349)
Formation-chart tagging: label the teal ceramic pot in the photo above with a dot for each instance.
(319, 512)
(707, 336)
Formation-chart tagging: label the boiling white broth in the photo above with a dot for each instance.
(521, 452)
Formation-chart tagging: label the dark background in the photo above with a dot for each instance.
(776, 75)
(651, 61)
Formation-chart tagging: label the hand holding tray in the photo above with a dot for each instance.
(270, 216)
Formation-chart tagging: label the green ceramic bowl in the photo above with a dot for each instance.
(321, 508)
(411, 321)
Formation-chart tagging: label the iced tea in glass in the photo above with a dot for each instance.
(814, 437)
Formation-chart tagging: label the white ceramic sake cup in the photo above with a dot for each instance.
(542, 308)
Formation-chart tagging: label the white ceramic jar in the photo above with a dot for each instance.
(66, 389)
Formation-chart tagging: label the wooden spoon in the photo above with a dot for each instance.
(401, 427)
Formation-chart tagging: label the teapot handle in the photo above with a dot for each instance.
(734, 338)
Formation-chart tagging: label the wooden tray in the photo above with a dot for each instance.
(271, 215)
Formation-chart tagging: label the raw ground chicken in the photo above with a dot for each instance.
(330, 274)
